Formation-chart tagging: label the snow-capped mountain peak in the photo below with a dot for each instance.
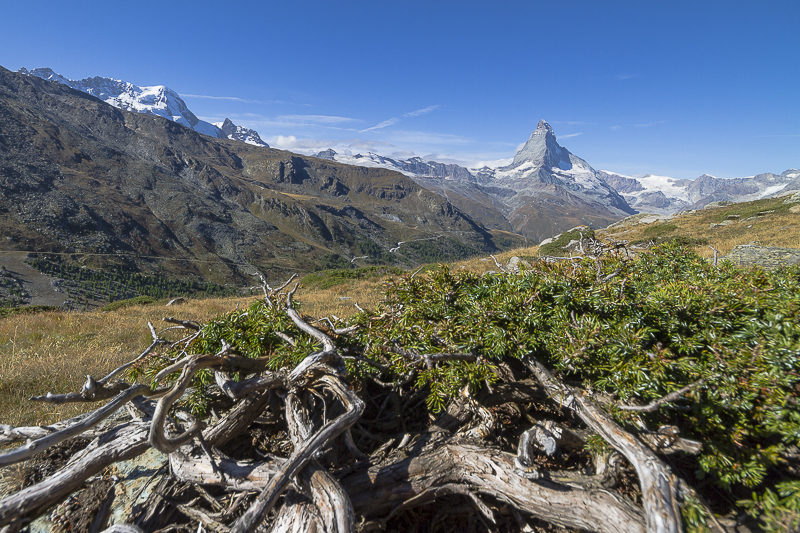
(239, 133)
(542, 149)
(152, 100)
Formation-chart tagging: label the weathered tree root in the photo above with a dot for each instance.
(659, 485)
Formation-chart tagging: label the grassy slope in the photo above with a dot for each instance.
(53, 351)
(778, 228)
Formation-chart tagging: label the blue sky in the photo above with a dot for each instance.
(664, 87)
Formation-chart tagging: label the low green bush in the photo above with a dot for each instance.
(330, 278)
(556, 247)
(27, 310)
(667, 320)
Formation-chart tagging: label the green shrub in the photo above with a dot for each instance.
(667, 320)
(28, 310)
(330, 278)
(679, 240)
(556, 247)
(659, 230)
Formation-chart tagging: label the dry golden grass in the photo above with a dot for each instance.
(340, 300)
(780, 228)
(479, 265)
(54, 351)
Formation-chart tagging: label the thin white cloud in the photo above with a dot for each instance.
(231, 98)
(256, 121)
(394, 120)
(424, 137)
(321, 119)
(573, 123)
(570, 135)
(422, 111)
(384, 124)
(645, 125)
(493, 163)
(237, 99)
(311, 146)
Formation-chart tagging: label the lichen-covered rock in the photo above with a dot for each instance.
(515, 264)
(793, 199)
(763, 256)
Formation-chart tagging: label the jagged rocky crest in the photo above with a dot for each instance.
(156, 100)
(240, 133)
(542, 150)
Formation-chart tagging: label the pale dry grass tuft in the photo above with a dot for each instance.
(779, 228)
(340, 300)
(54, 351)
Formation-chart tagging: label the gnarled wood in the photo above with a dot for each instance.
(121, 443)
(659, 485)
(41, 444)
(302, 455)
(378, 490)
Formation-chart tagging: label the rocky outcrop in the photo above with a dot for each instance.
(240, 133)
(763, 256)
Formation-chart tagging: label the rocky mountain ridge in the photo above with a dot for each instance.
(414, 167)
(156, 100)
(240, 133)
(80, 176)
(544, 190)
(664, 195)
(487, 192)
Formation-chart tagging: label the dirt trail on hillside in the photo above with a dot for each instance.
(38, 285)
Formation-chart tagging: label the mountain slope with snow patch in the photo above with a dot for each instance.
(153, 100)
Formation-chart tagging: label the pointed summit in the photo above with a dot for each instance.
(228, 127)
(542, 150)
(240, 133)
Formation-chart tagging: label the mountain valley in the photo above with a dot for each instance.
(143, 183)
(139, 191)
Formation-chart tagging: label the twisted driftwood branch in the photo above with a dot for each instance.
(376, 487)
(659, 485)
(302, 455)
(119, 444)
(88, 422)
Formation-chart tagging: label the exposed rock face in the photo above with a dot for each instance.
(78, 175)
(664, 195)
(328, 154)
(155, 100)
(547, 189)
(542, 150)
(622, 184)
(707, 189)
(763, 256)
(239, 133)
(414, 167)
